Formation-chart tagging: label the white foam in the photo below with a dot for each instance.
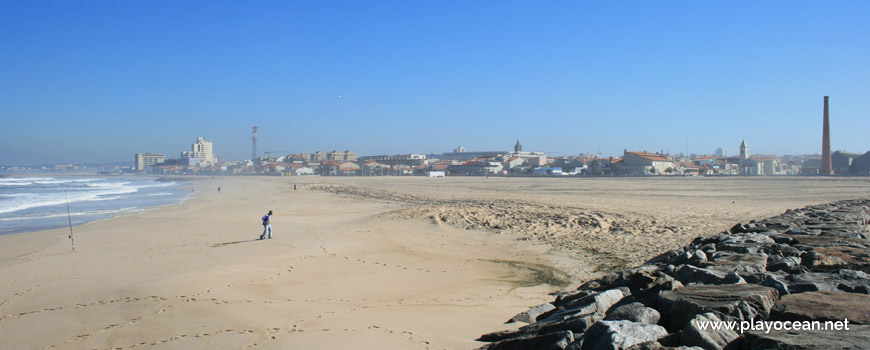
(15, 183)
(101, 192)
(159, 194)
(85, 213)
(24, 179)
(55, 191)
(64, 181)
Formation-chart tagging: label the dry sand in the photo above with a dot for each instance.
(369, 263)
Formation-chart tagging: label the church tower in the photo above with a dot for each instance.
(744, 151)
(518, 147)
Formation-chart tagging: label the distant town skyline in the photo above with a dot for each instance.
(98, 82)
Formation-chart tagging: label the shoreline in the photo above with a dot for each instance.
(47, 238)
(181, 197)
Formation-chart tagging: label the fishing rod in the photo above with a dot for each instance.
(69, 217)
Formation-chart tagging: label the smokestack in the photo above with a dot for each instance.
(826, 144)
(254, 144)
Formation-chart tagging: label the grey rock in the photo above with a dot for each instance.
(576, 324)
(745, 243)
(698, 332)
(662, 258)
(595, 303)
(747, 228)
(810, 242)
(679, 306)
(650, 345)
(708, 248)
(499, 335)
(784, 264)
(843, 280)
(849, 257)
(699, 258)
(856, 338)
(620, 335)
(551, 341)
(584, 291)
(645, 281)
(781, 239)
(744, 311)
(691, 274)
(532, 314)
(629, 278)
(815, 259)
(744, 264)
(787, 250)
(732, 278)
(680, 259)
(635, 312)
(654, 345)
(776, 282)
(823, 306)
(803, 232)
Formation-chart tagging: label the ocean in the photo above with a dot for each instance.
(39, 203)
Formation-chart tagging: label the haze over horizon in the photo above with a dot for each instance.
(100, 81)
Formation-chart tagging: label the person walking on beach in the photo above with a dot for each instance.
(267, 225)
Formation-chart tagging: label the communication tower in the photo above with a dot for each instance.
(254, 143)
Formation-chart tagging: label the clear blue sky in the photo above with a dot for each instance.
(94, 81)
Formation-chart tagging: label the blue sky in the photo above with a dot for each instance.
(94, 81)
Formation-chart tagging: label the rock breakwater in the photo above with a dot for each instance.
(806, 265)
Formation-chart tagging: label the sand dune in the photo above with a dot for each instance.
(404, 263)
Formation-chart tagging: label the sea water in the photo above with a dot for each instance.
(40, 203)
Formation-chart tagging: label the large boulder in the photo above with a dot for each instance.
(577, 324)
(635, 312)
(823, 306)
(531, 315)
(843, 280)
(785, 264)
(776, 281)
(815, 260)
(807, 243)
(857, 337)
(679, 306)
(743, 264)
(745, 243)
(702, 332)
(853, 258)
(613, 335)
(551, 341)
(595, 303)
(688, 274)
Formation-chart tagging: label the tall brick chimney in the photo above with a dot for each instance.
(826, 168)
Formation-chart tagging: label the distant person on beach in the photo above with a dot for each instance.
(219, 190)
(294, 187)
(267, 225)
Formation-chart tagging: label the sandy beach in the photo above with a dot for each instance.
(367, 263)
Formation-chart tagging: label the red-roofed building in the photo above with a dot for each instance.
(645, 163)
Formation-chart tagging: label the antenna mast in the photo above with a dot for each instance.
(254, 144)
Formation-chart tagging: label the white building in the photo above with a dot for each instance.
(145, 161)
(202, 150)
